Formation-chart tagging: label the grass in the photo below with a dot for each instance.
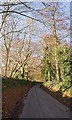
(15, 82)
(12, 82)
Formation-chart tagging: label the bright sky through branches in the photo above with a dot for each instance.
(40, 28)
(36, 0)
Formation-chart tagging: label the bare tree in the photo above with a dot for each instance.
(7, 42)
(16, 8)
(58, 23)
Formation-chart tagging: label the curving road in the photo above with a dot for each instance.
(39, 104)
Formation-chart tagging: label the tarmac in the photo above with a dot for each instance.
(39, 104)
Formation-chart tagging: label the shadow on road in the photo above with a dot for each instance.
(59, 96)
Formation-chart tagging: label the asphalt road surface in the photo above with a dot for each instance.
(39, 104)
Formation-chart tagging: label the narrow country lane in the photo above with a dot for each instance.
(39, 104)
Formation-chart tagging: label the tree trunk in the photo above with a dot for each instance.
(23, 73)
(14, 70)
(57, 69)
(55, 48)
(6, 67)
(27, 75)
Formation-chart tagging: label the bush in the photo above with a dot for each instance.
(47, 84)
